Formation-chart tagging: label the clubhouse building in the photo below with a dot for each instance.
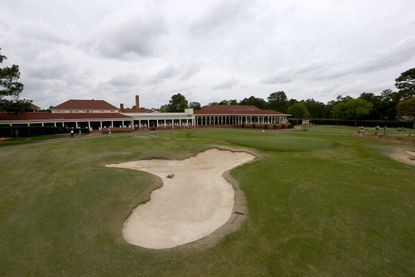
(98, 114)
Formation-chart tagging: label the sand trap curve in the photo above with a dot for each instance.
(404, 156)
(191, 205)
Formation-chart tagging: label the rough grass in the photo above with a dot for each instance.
(318, 205)
(24, 140)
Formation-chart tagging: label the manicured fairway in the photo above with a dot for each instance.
(318, 205)
(349, 130)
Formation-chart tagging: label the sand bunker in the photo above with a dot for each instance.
(194, 201)
(405, 156)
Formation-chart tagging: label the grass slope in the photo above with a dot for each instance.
(318, 205)
(23, 140)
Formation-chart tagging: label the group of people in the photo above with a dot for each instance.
(72, 132)
(361, 130)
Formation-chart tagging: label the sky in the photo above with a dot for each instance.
(206, 50)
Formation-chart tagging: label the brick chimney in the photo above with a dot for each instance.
(137, 103)
(121, 107)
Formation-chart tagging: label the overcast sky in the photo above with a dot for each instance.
(208, 50)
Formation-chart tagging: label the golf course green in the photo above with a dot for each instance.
(319, 204)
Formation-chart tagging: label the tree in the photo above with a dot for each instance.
(257, 102)
(298, 110)
(406, 83)
(388, 101)
(315, 108)
(377, 111)
(339, 110)
(228, 102)
(352, 109)
(194, 105)
(177, 104)
(406, 107)
(278, 101)
(11, 88)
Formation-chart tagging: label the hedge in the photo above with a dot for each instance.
(28, 131)
(264, 126)
(116, 130)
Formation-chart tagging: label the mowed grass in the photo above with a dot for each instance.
(25, 140)
(350, 130)
(318, 205)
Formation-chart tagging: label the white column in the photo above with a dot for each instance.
(89, 125)
(112, 124)
(54, 124)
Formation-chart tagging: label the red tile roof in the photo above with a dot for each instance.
(234, 109)
(34, 107)
(85, 104)
(141, 110)
(58, 116)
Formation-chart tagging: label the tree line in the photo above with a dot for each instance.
(388, 105)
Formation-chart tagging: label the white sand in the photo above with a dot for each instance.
(405, 156)
(191, 205)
